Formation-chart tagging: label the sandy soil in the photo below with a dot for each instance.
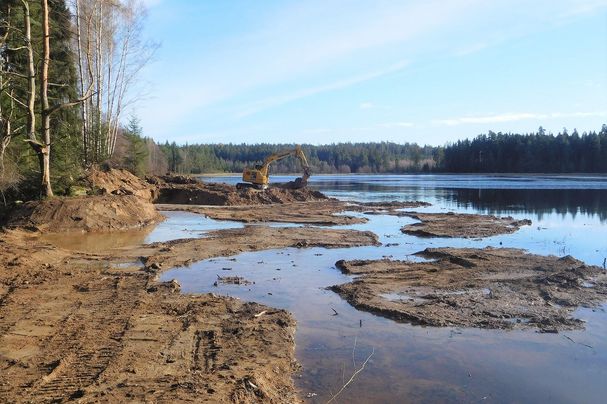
(75, 325)
(461, 225)
(85, 213)
(486, 288)
(119, 182)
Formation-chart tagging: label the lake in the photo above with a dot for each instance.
(409, 363)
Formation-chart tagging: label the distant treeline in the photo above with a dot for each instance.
(337, 158)
(530, 153)
(539, 152)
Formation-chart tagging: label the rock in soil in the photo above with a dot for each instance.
(486, 288)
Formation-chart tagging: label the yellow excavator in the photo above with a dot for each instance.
(258, 176)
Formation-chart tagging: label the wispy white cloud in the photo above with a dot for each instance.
(293, 50)
(512, 117)
(390, 125)
(307, 92)
(373, 105)
(366, 105)
(470, 49)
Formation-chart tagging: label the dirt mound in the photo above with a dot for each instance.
(119, 182)
(225, 195)
(461, 225)
(177, 179)
(486, 288)
(88, 213)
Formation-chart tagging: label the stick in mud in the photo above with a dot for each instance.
(362, 367)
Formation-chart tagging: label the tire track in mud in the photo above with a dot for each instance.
(73, 327)
(93, 343)
(205, 342)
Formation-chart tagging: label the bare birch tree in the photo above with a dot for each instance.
(6, 114)
(110, 53)
(40, 142)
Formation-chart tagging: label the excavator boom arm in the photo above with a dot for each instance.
(259, 174)
(286, 153)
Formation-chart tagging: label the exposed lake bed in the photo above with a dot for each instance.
(297, 281)
(290, 266)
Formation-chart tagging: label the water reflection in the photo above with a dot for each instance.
(535, 201)
(98, 242)
(177, 225)
(536, 195)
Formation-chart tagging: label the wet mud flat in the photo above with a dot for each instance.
(461, 225)
(86, 326)
(313, 212)
(497, 288)
(326, 212)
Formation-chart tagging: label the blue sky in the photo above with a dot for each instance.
(325, 71)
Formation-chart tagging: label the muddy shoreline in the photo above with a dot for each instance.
(87, 326)
(327, 212)
(101, 327)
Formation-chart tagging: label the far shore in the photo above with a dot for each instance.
(586, 175)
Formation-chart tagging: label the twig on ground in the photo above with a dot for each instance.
(335, 311)
(362, 367)
(579, 343)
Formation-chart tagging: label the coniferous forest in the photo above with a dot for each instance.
(539, 152)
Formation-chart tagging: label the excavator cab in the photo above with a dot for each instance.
(258, 176)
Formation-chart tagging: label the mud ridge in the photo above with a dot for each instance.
(203, 193)
(461, 225)
(485, 288)
(326, 212)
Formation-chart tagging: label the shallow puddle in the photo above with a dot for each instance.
(177, 225)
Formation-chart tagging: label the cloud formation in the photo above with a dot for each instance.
(512, 117)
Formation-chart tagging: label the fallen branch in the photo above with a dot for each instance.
(261, 314)
(362, 367)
